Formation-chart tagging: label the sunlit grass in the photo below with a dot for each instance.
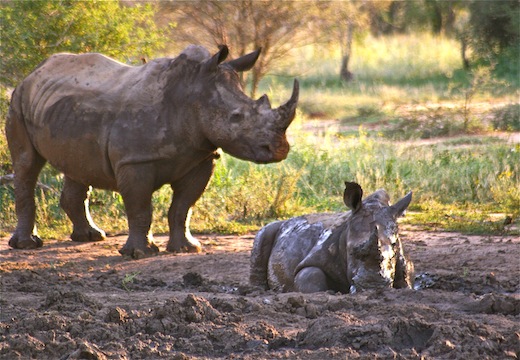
(406, 59)
(388, 72)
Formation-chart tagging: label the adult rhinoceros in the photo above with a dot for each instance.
(133, 129)
(343, 252)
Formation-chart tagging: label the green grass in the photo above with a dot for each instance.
(461, 182)
(389, 73)
(470, 179)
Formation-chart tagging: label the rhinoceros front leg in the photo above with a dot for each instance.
(185, 193)
(135, 183)
(74, 200)
(310, 279)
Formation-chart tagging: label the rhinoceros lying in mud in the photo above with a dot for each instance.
(344, 252)
(133, 129)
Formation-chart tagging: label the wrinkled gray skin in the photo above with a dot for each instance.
(344, 252)
(133, 129)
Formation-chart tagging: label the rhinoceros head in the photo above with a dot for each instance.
(245, 128)
(375, 255)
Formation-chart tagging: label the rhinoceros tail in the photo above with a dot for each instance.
(261, 252)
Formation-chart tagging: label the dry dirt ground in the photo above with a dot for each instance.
(84, 301)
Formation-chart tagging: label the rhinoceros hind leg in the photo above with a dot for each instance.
(32, 242)
(90, 236)
(74, 200)
(186, 192)
(27, 164)
(310, 279)
(261, 252)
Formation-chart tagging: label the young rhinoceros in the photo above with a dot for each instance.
(345, 252)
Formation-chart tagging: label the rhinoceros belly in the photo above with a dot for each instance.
(72, 137)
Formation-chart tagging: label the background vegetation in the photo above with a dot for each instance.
(414, 114)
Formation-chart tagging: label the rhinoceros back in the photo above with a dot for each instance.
(92, 79)
(70, 103)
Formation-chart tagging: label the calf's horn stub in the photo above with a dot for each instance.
(369, 248)
(288, 110)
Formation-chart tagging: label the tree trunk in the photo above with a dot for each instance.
(345, 73)
(435, 14)
(463, 48)
(255, 80)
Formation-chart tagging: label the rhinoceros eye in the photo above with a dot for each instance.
(236, 117)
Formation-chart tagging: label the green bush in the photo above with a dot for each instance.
(33, 30)
(507, 118)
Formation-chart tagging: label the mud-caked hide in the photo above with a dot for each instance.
(133, 129)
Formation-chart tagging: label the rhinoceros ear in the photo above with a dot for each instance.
(399, 207)
(245, 62)
(352, 195)
(212, 63)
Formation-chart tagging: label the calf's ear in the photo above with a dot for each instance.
(399, 207)
(352, 195)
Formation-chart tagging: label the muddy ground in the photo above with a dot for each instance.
(84, 301)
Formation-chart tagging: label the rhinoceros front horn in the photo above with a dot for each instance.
(288, 110)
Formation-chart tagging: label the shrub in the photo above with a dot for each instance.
(507, 118)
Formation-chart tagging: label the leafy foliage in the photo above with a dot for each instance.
(495, 25)
(495, 36)
(46, 27)
(507, 118)
(272, 25)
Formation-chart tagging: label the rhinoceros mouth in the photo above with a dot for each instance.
(268, 153)
(263, 155)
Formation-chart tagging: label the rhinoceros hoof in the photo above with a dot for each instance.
(186, 248)
(140, 252)
(88, 236)
(32, 242)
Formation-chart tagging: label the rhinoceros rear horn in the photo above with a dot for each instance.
(288, 110)
(263, 101)
(245, 62)
(399, 207)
